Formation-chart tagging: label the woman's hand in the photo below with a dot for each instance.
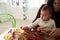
(55, 33)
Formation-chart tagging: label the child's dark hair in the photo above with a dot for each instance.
(47, 8)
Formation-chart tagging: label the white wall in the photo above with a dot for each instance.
(18, 13)
(3, 0)
(31, 12)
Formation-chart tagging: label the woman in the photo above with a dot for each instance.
(55, 4)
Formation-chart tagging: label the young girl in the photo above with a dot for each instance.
(46, 24)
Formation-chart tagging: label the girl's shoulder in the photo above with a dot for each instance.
(38, 18)
(52, 20)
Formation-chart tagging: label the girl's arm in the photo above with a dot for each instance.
(33, 25)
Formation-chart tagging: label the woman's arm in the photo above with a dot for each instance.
(55, 33)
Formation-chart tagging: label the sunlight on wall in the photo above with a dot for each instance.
(3, 0)
(35, 3)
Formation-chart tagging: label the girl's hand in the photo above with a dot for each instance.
(38, 29)
(41, 30)
(44, 32)
(25, 28)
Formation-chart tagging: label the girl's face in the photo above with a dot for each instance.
(56, 5)
(45, 15)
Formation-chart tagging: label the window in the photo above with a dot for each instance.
(26, 4)
(14, 3)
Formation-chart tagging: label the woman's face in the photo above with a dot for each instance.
(45, 15)
(56, 5)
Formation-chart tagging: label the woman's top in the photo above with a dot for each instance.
(56, 17)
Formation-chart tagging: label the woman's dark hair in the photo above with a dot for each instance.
(50, 3)
(38, 14)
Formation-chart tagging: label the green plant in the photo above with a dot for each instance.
(4, 17)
